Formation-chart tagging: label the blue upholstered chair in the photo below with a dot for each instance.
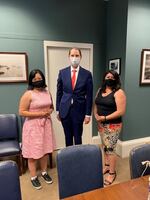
(137, 156)
(79, 169)
(9, 181)
(9, 139)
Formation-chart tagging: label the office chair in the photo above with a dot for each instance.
(9, 181)
(9, 139)
(25, 163)
(79, 169)
(136, 157)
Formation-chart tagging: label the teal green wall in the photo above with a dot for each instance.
(25, 24)
(127, 34)
(11, 92)
(116, 32)
(116, 37)
(122, 33)
(138, 98)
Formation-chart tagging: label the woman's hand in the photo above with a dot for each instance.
(96, 117)
(46, 112)
(51, 110)
(99, 118)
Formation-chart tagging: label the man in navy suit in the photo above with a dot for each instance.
(74, 98)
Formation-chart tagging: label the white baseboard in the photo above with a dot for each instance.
(124, 147)
(96, 139)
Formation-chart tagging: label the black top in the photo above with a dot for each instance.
(107, 105)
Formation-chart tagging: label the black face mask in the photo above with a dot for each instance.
(38, 84)
(110, 82)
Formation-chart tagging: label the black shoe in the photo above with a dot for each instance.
(47, 178)
(36, 183)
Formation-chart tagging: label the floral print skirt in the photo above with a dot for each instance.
(109, 134)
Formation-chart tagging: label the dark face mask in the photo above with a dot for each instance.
(38, 84)
(110, 82)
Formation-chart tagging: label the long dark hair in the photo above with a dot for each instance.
(117, 86)
(32, 75)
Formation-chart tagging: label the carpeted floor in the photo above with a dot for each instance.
(50, 192)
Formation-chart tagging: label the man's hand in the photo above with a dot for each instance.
(86, 120)
(58, 117)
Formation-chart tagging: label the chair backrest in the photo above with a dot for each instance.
(137, 155)
(8, 126)
(9, 181)
(79, 169)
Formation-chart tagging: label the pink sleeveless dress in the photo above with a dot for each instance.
(37, 136)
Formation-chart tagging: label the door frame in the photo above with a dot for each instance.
(59, 44)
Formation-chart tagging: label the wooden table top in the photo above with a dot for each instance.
(135, 189)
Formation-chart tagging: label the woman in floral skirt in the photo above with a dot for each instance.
(109, 107)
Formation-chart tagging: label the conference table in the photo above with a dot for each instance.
(135, 189)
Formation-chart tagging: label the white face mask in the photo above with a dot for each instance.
(75, 61)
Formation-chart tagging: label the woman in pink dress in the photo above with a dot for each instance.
(37, 137)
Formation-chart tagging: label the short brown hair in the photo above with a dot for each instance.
(75, 49)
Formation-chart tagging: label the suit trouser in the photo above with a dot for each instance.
(73, 127)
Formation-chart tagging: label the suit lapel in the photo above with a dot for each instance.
(69, 77)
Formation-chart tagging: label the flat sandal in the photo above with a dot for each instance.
(106, 182)
(107, 171)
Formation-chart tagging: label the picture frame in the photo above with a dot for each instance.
(115, 64)
(145, 67)
(13, 67)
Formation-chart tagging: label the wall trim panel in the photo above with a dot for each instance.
(124, 147)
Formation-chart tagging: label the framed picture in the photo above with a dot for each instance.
(13, 67)
(145, 67)
(115, 64)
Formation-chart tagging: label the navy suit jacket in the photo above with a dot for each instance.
(81, 96)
